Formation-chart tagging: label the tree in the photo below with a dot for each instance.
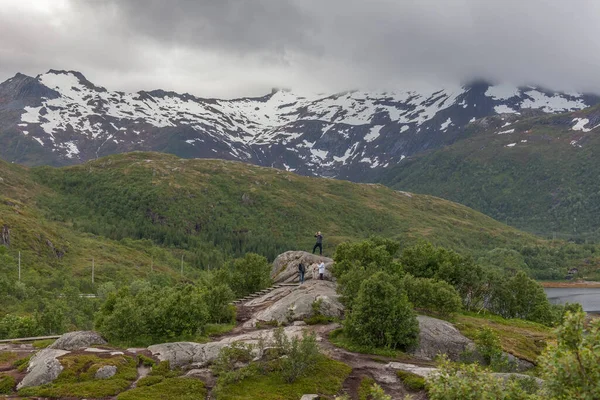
(382, 316)
(249, 274)
(571, 367)
(356, 262)
(521, 297)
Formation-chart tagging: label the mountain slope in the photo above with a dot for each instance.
(134, 212)
(61, 118)
(539, 174)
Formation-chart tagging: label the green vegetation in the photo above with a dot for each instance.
(545, 184)
(571, 367)
(137, 216)
(364, 389)
(77, 378)
(382, 315)
(523, 339)
(170, 388)
(42, 344)
(338, 337)
(326, 378)
(472, 382)
(7, 384)
(411, 381)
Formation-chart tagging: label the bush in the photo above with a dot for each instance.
(432, 295)
(301, 355)
(317, 316)
(521, 297)
(382, 315)
(14, 326)
(377, 393)
(231, 357)
(153, 314)
(411, 381)
(571, 367)
(471, 382)
(488, 345)
(7, 384)
(247, 275)
(150, 380)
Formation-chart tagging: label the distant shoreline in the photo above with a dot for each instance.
(574, 284)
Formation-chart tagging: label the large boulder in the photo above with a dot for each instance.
(285, 266)
(43, 368)
(78, 340)
(191, 355)
(440, 337)
(295, 303)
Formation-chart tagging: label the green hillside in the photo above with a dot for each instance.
(137, 212)
(546, 182)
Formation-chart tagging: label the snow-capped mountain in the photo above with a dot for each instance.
(62, 118)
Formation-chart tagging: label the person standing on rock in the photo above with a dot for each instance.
(321, 270)
(319, 243)
(301, 271)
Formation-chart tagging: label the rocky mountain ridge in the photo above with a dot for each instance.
(61, 118)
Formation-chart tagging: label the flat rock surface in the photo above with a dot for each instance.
(294, 303)
(44, 368)
(197, 355)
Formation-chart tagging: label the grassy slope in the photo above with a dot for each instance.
(207, 210)
(543, 185)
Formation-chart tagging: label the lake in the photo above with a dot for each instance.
(589, 298)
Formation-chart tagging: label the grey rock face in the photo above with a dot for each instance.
(440, 337)
(44, 368)
(288, 304)
(78, 340)
(108, 371)
(285, 266)
(195, 355)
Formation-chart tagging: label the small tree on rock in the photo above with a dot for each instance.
(382, 316)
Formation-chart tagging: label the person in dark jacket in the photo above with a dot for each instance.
(301, 271)
(319, 243)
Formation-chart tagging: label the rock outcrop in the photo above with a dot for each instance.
(285, 266)
(440, 337)
(44, 368)
(106, 372)
(78, 340)
(294, 303)
(191, 355)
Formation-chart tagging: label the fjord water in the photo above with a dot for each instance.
(589, 298)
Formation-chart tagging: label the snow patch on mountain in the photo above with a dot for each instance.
(373, 133)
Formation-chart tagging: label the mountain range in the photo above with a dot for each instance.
(61, 118)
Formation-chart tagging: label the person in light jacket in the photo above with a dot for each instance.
(321, 270)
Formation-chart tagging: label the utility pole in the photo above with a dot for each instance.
(92, 270)
(182, 264)
(19, 266)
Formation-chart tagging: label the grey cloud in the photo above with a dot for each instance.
(242, 47)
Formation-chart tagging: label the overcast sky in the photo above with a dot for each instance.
(231, 48)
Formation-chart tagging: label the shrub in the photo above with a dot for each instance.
(301, 356)
(150, 380)
(232, 356)
(571, 367)
(488, 345)
(411, 381)
(432, 295)
(471, 382)
(317, 316)
(382, 315)
(521, 297)
(7, 383)
(377, 393)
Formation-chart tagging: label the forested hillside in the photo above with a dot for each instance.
(538, 174)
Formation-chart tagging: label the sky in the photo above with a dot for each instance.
(235, 48)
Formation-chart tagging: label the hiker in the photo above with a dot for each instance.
(319, 243)
(301, 271)
(321, 270)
